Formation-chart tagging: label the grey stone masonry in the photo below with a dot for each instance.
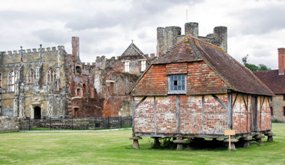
(169, 36)
(8, 124)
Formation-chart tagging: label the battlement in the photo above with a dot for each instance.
(169, 36)
(34, 50)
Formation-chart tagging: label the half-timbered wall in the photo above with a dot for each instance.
(181, 115)
(200, 115)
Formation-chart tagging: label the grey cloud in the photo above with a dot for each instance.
(262, 20)
(52, 36)
(138, 13)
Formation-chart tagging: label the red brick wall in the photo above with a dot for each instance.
(241, 113)
(87, 107)
(154, 82)
(157, 115)
(176, 68)
(265, 113)
(163, 119)
(203, 79)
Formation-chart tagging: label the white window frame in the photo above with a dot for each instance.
(127, 66)
(143, 65)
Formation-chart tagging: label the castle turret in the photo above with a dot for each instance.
(222, 33)
(192, 28)
(169, 36)
(166, 38)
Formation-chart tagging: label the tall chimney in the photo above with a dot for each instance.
(75, 47)
(281, 61)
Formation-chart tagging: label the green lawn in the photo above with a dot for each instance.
(114, 147)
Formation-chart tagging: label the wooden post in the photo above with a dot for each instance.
(230, 133)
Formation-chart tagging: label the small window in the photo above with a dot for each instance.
(143, 65)
(78, 92)
(78, 69)
(51, 76)
(283, 111)
(31, 76)
(283, 97)
(176, 84)
(11, 81)
(127, 66)
(271, 111)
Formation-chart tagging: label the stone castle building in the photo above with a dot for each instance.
(33, 82)
(49, 82)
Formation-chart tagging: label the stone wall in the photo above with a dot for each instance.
(8, 124)
(278, 108)
(169, 36)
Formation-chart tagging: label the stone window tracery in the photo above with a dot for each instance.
(11, 81)
(31, 76)
(51, 75)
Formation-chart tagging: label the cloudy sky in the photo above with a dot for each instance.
(255, 27)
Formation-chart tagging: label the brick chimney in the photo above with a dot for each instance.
(281, 61)
(75, 47)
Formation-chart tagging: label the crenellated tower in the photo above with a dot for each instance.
(169, 36)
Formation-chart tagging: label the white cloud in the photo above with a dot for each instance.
(255, 27)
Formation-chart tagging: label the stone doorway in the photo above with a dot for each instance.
(37, 112)
(75, 112)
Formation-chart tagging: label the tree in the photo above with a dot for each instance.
(252, 67)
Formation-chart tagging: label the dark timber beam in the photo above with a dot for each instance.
(220, 101)
(178, 113)
(230, 112)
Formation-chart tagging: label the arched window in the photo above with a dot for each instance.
(11, 81)
(78, 69)
(78, 92)
(51, 75)
(31, 76)
(84, 90)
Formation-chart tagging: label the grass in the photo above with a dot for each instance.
(114, 147)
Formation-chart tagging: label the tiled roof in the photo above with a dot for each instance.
(274, 81)
(237, 77)
(132, 50)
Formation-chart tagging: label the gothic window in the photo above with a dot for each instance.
(78, 92)
(143, 65)
(84, 90)
(31, 76)
(11, 81)
(51, 75)
(37, 73)
(127, 66)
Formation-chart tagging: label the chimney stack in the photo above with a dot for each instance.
(281, 61)
(75, 47)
